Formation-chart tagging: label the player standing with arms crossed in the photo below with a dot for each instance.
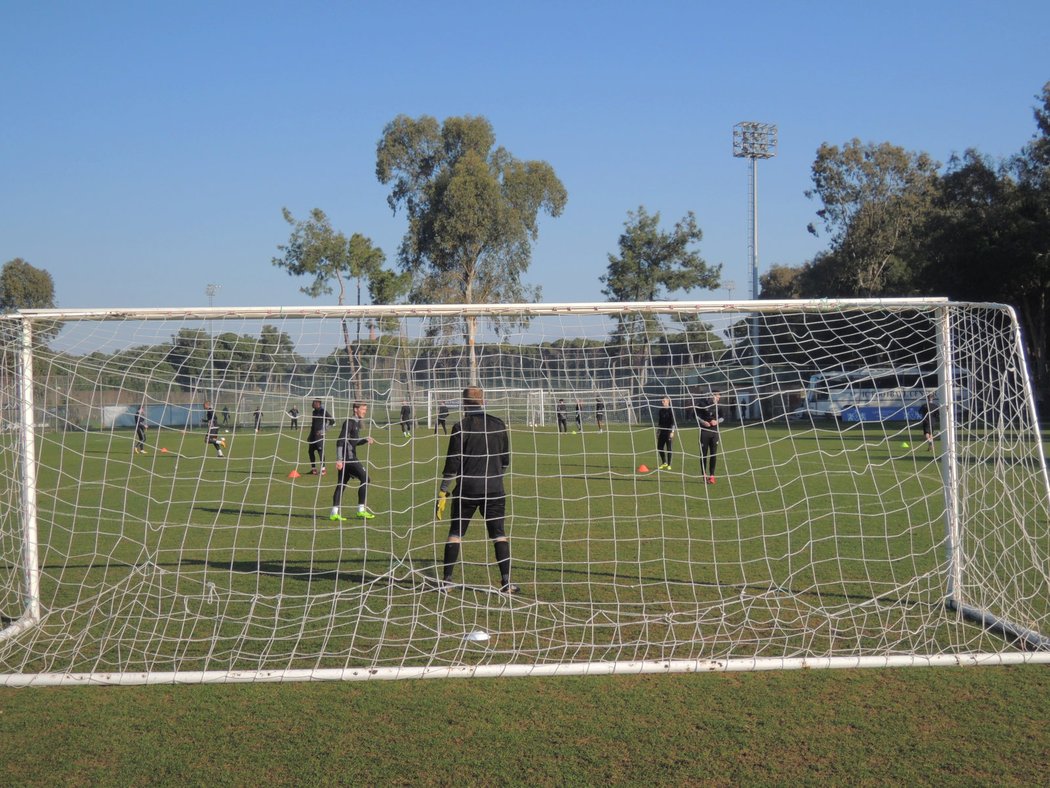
(927, 412)
(140, 430)
(478, 456)
(707, 418)
(665, 425)
(320, 421)
(348, 466)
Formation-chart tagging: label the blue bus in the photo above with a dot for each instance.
(875, 394)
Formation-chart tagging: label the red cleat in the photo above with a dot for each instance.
(710, 479)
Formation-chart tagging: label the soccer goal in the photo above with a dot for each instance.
(516, 406)
(878, 494)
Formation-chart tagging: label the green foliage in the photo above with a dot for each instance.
(316, 250)
(781, 281)
(23, 286)
(655, 263)
(472, 213)
(388, 287)
(874, 198)
(472, 209)
(979, 230)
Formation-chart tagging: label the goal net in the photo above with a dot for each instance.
(877, 496)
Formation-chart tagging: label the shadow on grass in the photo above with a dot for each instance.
(231, 511)
(322, 571)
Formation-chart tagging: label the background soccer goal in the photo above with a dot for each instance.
(831, 535)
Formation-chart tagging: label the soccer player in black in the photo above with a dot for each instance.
(478, 456)
(212, 423)
(258, 419)
(347, 464)
(665, 425)
(599, 415)
(406, 418)
(442, 418)
(293, 414)
(140, 430)
(320, 421)
(563, 425)
(579, 415)
(707, 418)
(927, 412)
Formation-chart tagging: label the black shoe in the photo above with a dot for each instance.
(510, 588)
(441, 586)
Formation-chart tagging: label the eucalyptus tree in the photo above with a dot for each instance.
(24, 286)
(332, 261)
(652, 265)
(874, 199)
(472, 210)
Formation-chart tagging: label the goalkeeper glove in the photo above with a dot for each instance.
(441, 504)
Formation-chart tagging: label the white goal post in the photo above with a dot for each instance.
(877, 496)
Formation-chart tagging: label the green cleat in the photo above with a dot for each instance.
(337, 518)
(364, 514)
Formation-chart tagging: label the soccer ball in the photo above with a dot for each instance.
(226, 431)
(574, 432)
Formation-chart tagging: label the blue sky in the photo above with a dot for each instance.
(147, 149)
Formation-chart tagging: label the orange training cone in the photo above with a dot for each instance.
(294, 474)
(643, 468)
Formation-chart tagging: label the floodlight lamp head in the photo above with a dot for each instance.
(753, 140)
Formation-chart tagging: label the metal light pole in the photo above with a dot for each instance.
(212, 290)
(753, 141)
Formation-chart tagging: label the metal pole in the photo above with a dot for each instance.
(29, 477)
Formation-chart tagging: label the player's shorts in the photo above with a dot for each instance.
(493, 509)
(354, 469)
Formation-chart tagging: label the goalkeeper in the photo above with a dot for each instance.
(478, 456)
(212, 425)
(708, 419)
(347, 465)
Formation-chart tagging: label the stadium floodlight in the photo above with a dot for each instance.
(211, 290)
(831, 534)
(753, 141)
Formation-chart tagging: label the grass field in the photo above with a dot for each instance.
(814, 542)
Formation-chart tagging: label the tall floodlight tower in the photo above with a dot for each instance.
(754, 141)
(212, 290)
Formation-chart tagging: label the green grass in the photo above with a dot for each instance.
(918, 727)
(228, 559)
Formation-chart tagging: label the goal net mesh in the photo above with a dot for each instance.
(822, 536)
